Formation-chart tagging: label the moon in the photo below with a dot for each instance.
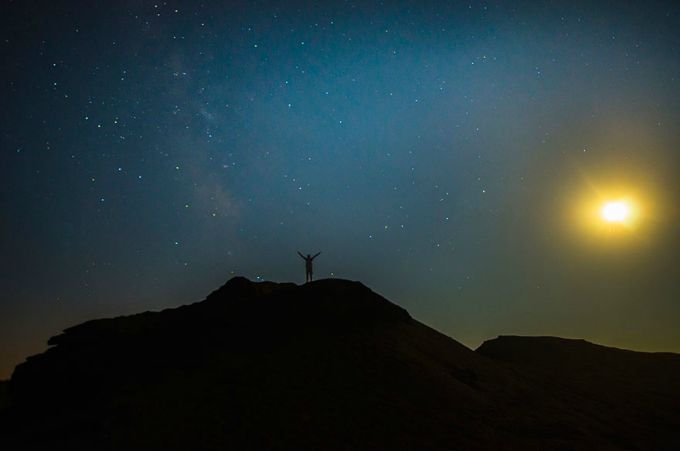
(616, 211)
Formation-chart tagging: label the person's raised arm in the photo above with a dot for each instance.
(316, 255)
(301, 256)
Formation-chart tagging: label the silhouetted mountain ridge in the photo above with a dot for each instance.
(330, 365)
(334, 301)
(579, 362)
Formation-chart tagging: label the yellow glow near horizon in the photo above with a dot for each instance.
(616, 211)
(611, 212)
(622, 213)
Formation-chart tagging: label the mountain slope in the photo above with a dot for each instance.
(326, 365)
(634, 392)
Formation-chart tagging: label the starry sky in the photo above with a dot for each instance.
(446, 154)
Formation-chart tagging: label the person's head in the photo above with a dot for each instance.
(309, 255)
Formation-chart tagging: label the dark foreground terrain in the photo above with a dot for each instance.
(330, 365)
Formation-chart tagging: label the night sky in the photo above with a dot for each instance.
(451, 156)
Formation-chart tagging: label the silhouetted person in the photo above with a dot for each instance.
(308, 265)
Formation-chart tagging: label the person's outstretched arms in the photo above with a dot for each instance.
(316, 255)
(301, 256)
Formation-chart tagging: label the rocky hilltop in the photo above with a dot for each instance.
(330, 365)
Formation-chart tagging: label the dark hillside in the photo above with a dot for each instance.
(4, 395)
(326, 365)
(635, 392)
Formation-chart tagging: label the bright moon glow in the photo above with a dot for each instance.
(618, 211)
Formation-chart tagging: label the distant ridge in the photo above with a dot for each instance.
(330, 365)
